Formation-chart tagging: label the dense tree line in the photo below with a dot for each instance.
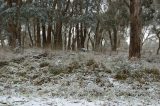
(76, 24)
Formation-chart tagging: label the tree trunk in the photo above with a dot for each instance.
(78, 37)
(58, 36)
(11, 28)
(135, 32)
(65, 41)
(44, 35)
(73, 40)
(110, 38)
(1, 36)
(97, 38)
(114, 46)
(29, 32)
(34, 32)
(38, 34)
(49, 32)
(12, 34)
(158, 46)
(18, 24)
(69, 38)
(83, 35)
(88, 39)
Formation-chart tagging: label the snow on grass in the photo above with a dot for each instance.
(51, 101)
(26, 83)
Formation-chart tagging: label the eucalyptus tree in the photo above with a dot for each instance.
(156, 22)
(82, 18)
(136, 28)
(148, 13)
(1, 9)
(61, 9)
(116, 20)
(11, 17)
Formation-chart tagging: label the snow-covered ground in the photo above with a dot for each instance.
(44, 101)
(37, 78)
(50, 101)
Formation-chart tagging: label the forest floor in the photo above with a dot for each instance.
(45, 78)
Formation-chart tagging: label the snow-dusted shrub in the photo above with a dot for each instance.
(66, 69)
(3, 63)
(72, 66)
(104, 68)
(137, 70)
(90, 62)
(18, 60)
(55, 70)
(122, 75)
(147, 74)
(122, 64)
(44, 64)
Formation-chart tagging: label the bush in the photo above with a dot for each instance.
(18, 60)
(3, 63)
(90, 62)
(56, 70)
(135, 70)
(152, 71)
(122, 75)
(147, 74)
(72, 66)
(44, 64)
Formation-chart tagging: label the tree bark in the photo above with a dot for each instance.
(69, 38)
(110, 38)
(73, 40)
(58, 36)
(97, 37)
(114, 46)
(158, 48)
(49, 32)
(18, 24)
(44, 35)
(29, 32)
(83, 35)
(38, 34)
(135, 32)
(11, 28)
(34, 32)
(159, 44)
(78, 36)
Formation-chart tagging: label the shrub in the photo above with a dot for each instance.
(122, 75)
(44, 64)
(72, 66)
(3, 63)
(56, 70)
(90, 62)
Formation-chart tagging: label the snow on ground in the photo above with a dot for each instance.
(50, 101)
(37, 78)
(45, 101)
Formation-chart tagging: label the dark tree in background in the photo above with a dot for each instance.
(135, 31)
